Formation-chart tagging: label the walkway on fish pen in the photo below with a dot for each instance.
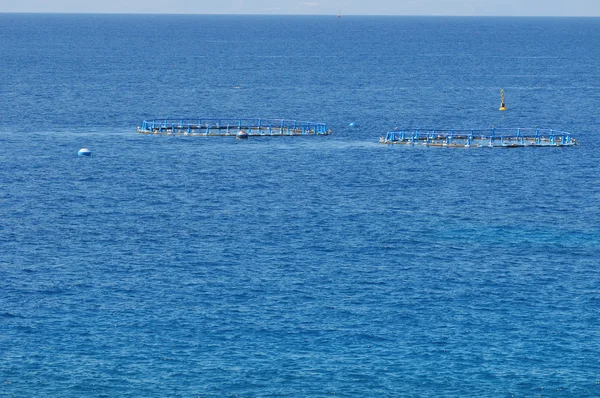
(231, 127)
(494, 138)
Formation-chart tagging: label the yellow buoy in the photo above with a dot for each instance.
(502, 104)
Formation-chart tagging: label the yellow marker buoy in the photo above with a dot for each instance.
(502, 104)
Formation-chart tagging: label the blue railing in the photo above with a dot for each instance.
(230, 126)
(480, 137)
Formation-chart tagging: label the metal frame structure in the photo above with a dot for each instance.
(232, 126)
(494, 137)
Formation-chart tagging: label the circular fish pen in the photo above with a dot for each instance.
(232, 127)
(492, 138)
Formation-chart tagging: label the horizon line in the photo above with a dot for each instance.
(292, 15)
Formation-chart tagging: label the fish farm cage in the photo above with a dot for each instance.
(232, 127)
(494, 137)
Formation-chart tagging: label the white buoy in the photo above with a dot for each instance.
(84, 152)
(353, 124)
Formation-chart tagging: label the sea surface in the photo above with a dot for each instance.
(166, 266)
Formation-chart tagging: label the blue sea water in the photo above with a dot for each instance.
(297, 266)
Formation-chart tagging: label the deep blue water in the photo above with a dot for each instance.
(297, 266)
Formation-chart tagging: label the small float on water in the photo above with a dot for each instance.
(502, 103)
(84, 152)
(231, 127)
(492, 138)
(241, 135)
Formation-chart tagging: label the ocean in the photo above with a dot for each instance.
(297, 266)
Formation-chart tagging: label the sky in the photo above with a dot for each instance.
(313, 7)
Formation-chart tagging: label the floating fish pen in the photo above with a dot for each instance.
(494, 138)
(232, 127)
